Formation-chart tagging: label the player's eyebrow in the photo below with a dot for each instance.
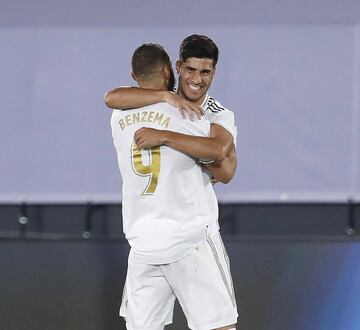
(206, 70)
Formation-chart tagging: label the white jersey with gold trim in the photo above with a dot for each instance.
(216, 114)
(165, 205)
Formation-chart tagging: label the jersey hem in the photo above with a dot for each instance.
(139, 258)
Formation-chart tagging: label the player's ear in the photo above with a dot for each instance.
(133, 75)
(166, 72)
(178, 66)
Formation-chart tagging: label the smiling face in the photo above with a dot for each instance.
(195, 77)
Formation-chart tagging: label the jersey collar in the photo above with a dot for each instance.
(206, 99)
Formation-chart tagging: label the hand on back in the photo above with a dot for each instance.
(184, 106)
(146, 137)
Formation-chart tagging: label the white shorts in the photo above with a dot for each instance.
(201, 282)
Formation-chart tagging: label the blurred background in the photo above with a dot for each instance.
(290, 72)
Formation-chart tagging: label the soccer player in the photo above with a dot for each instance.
(209, 305)
(196, 66)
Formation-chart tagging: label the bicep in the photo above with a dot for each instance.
(222, 136)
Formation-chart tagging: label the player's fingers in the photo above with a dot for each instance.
(189, 111)
(141, 144)
(197, 111)
(136, 136)
(201, 110)
(137, 132)
(194, 110)
(139, 136)
(140, 132)
(137, 142)
(182, 113)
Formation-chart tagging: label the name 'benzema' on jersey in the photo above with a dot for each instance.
(145, 117)
(165, 209)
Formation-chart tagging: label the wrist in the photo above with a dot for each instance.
(165, 137)
(165, 96)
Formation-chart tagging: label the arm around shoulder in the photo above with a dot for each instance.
(133, 97)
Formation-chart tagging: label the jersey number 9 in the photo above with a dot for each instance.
(151, 170)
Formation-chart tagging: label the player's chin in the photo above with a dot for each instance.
(194, 95)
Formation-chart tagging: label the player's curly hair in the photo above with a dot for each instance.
(198, 46)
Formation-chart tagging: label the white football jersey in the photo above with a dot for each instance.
(165, 205)
(216, 114)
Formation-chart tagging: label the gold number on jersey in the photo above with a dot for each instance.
(152, 169)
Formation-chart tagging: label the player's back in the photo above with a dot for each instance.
(165, 209)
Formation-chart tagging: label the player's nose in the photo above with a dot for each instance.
(196, 78)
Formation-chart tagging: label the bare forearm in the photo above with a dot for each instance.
(223, 171)
(194, 146)
(223, 137)
(133, 97)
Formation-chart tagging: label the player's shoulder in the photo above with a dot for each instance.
(115, 114)
(148, 110)
(212, 105)
(216, 112)
(163, 106)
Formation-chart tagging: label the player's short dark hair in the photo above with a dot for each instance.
(148, 59)
(198, 46)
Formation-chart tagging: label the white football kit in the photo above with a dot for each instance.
(170, 220)
(165, 209)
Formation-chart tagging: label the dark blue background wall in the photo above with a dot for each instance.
(294, 267)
